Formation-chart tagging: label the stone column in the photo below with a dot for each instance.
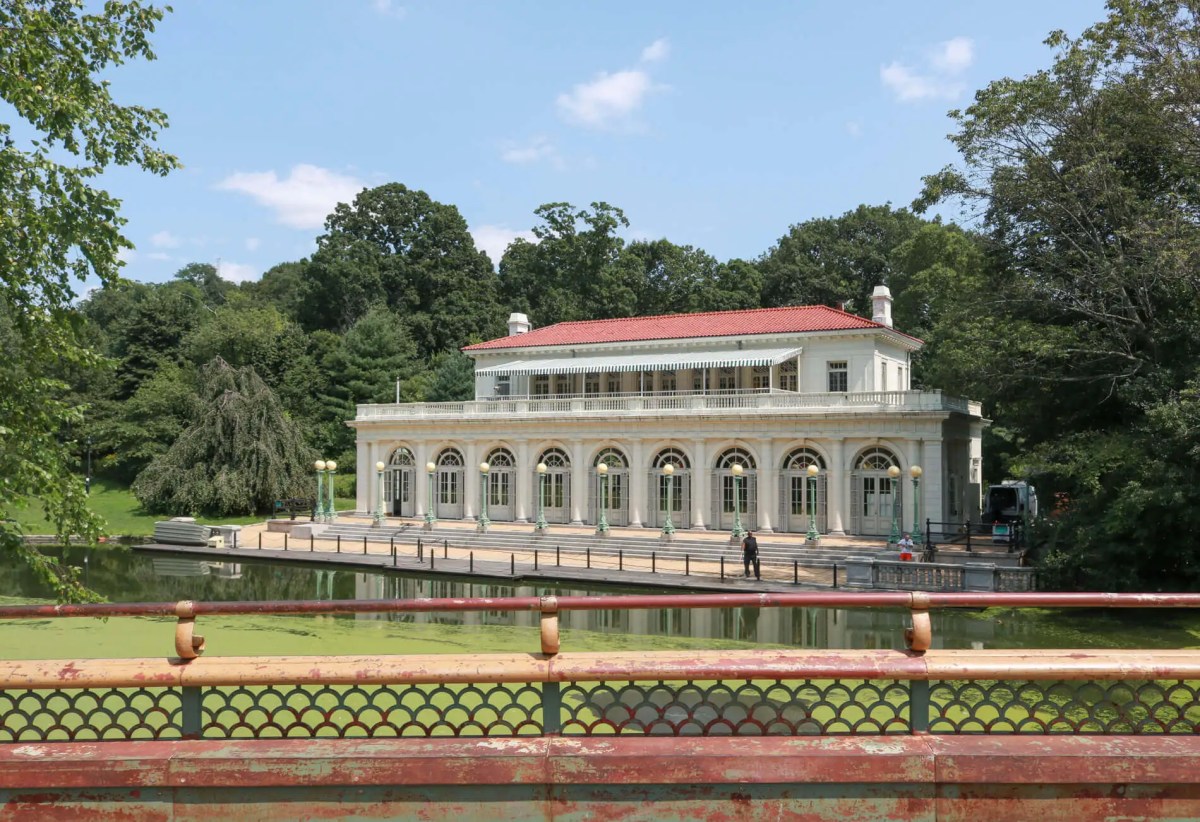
(701, 481)
(637, 482)
(933, 483)
(363, 467)
(768, 486)
(838, 488)
(523, 476)
(579, 482)
(421, 455)
(916, 456)
(374, 452)
(471, 483)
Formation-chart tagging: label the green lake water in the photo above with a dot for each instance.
(124, 575)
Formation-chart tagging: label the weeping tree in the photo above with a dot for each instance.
(241, 453)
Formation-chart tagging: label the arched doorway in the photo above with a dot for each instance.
(794, 491)
(400, 483)
(556, 487)
(680, 483)
(725, 502)
(448, 485)
(501, 481)
(873, 500)
(612, 490)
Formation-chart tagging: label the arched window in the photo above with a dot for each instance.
(613, 458)
(501, 458)
(672, 456)
(555, 458)
(401, 456)
(450, 457)
(801, 458)
(875, 459)
(740, 456)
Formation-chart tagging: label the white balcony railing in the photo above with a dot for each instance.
(675, 403)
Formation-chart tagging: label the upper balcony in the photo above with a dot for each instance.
(675, 403)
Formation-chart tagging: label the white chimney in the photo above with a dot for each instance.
(881, 306)
(519, 324)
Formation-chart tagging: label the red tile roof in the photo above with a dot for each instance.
(787, 320)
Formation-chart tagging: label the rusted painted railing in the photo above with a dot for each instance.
(752, 692)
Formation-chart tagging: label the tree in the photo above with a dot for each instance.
(207, 281)
(836, 259)
(57, 228)
(401, 247)
(1085, 178)
(239, 455)
(572, 272)
(453, 379)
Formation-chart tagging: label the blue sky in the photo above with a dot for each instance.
(716, 125)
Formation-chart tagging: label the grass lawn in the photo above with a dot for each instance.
(125, 515)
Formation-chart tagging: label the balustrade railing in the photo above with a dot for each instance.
(673, 402)
(916, 689)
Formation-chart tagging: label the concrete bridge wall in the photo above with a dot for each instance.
(970, 778)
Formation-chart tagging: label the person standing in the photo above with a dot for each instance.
(906, 548)
(750, 555)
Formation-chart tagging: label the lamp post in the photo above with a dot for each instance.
(602, 523)
(669, 472)
(812, 534)
(330, 509)
(915, 472)
(737, 533)
(87, 480)
(430, 519)
(540, 525)
(483, 489)
(319, 511)
(379, 516)
(893, 473)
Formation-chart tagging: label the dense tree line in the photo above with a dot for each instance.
(1069, 306)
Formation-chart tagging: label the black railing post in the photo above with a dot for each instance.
(835, 575)
(795, 572)
(512, 565)
(260, 540)
(535, 559)
(653, 563)
(364, 544)
(687, 565)
(420, 549)
(471, 561)
(191, 714)
(445, 549)
(722, 569)
(311, 542)
(432, 560)
(339, 543)
(557, 555)
(589, 556)
(551, 708)
(392, 543)
(620, 559)
(968, 537)
(285, 537)
(918, 705)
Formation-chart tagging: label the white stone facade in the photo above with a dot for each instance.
(773, 403)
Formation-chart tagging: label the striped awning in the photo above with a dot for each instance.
(606, 363)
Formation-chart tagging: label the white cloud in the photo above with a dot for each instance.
(236, 272)
(388, 9)
(301, 200)
(126, 255)
(494, 239)
(941, 77)
(536, 150)
(252, 243)
(607, 101)
(164, 239)
(158, 256)
(658, 50)
(953, 56)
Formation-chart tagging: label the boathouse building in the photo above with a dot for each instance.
(739, 404)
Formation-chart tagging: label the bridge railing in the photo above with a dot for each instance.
(916, 690)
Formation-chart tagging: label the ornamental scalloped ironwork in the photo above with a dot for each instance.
(119, 714)
(737, 708)
(1072, 707)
